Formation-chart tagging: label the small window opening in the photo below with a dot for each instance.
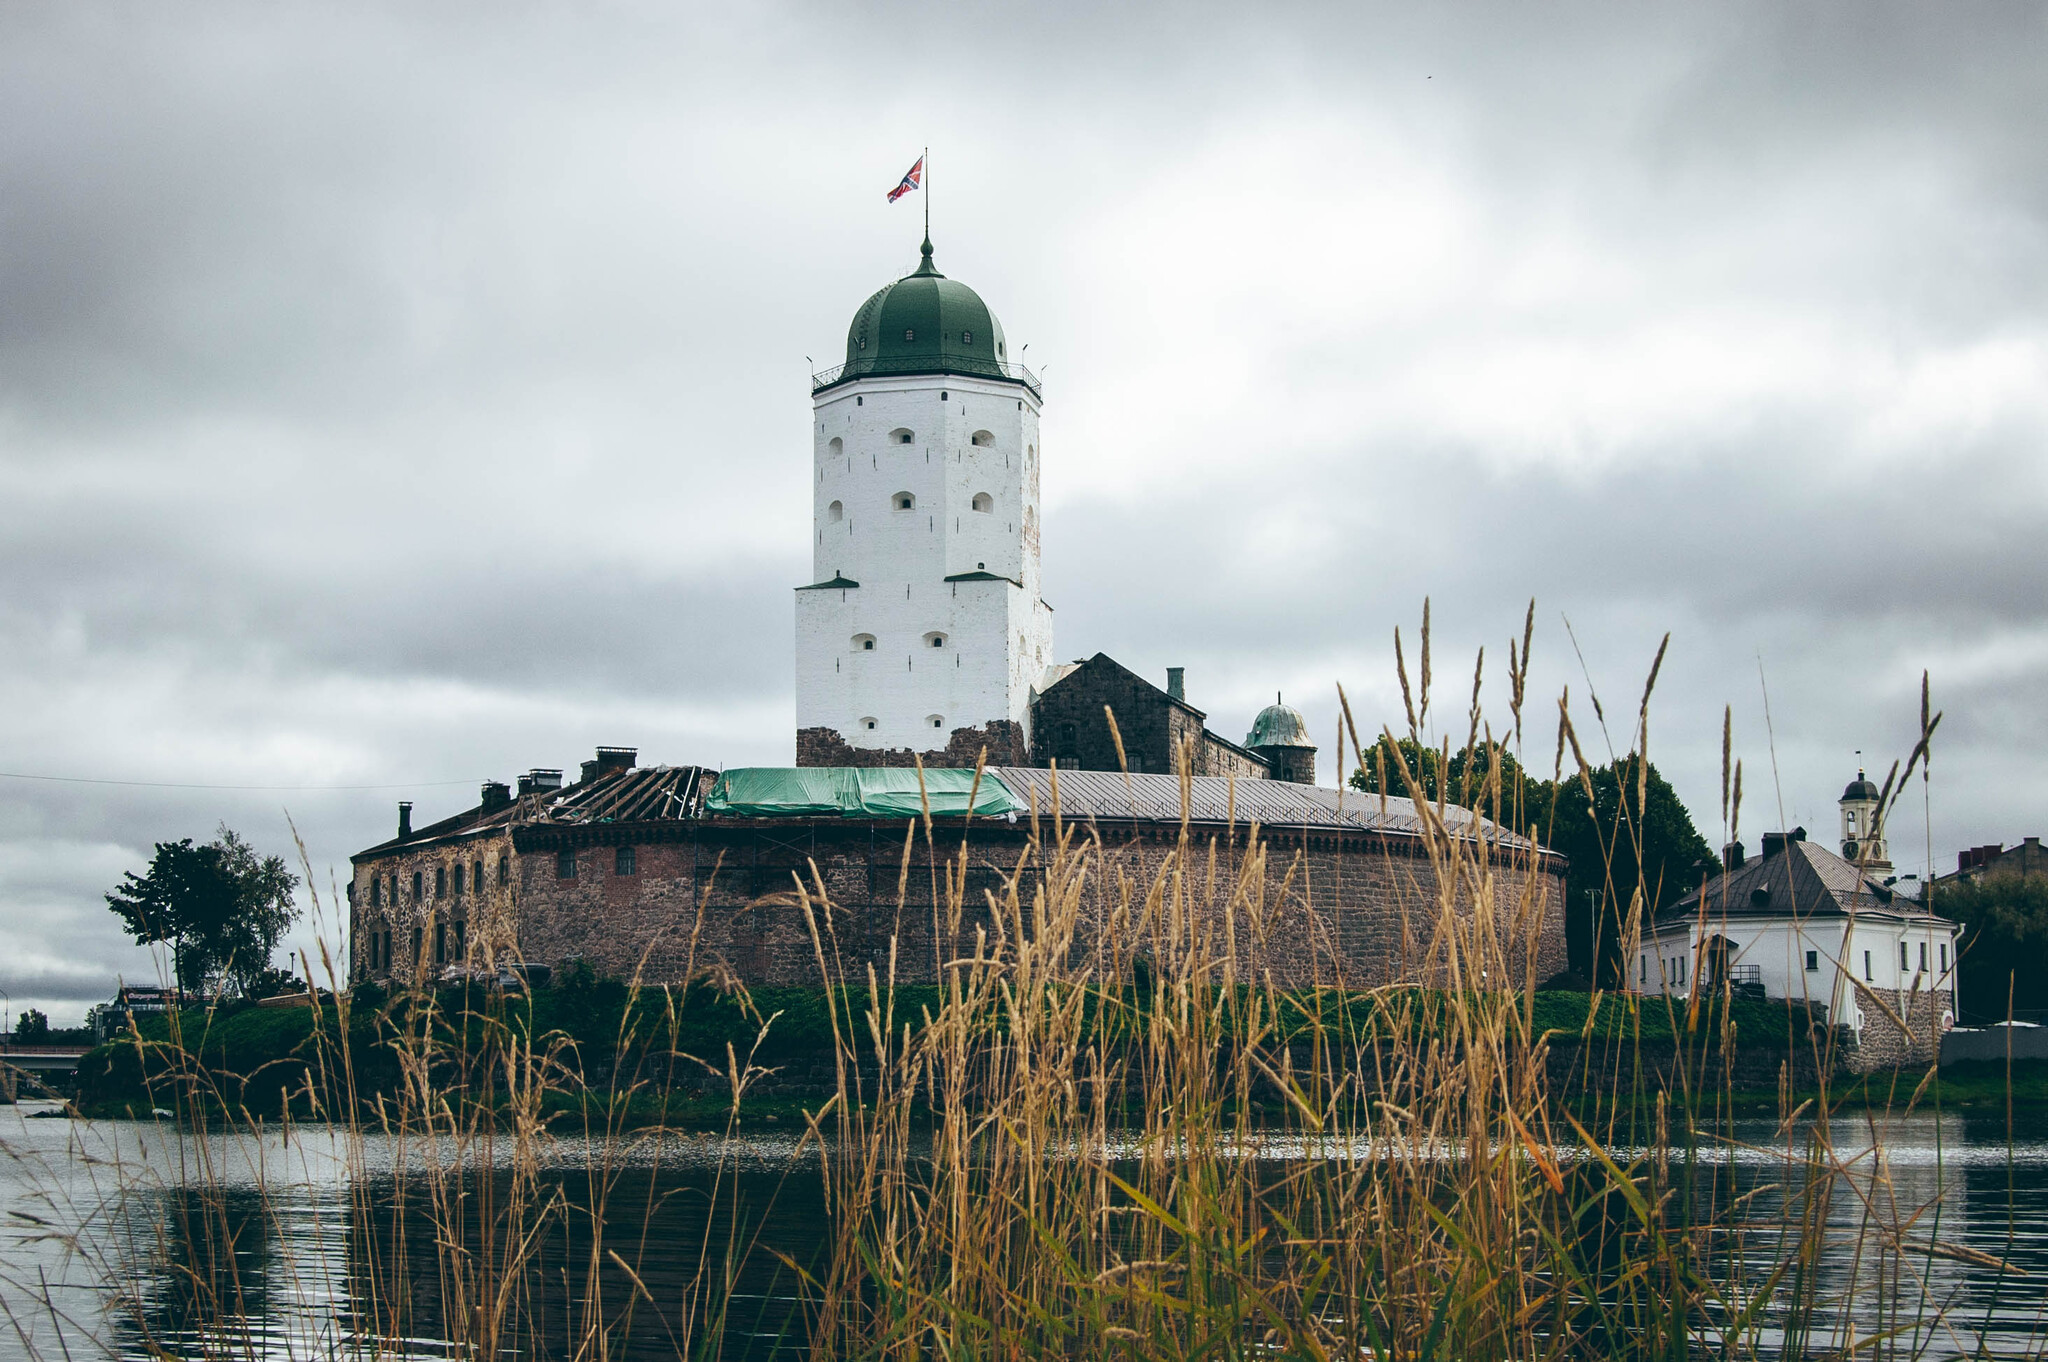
(935, 640)
(376, 893)
(416, 895)
(504, 870)
(984, 503)
(476, 877)
(836, 512)
(565, 865)
(983, 438)
(458, 880)
(936, 720)
(942, 395)
(440, 943)
(967, 338)
(624, 862)
(461, 939)
(904, 501)
(863, 643)
(868, 724)
(441, 890)
(910, 333)
(1812, 961)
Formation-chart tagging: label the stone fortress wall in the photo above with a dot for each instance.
(664, 898)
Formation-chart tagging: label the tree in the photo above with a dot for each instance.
(220, 908)
(2004, 951)
(1485, 777)
(1633, 832)
(33, 1028)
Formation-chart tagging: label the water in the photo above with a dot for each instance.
(311, 1255)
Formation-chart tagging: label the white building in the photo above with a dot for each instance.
(1803, 924)
(922, 630)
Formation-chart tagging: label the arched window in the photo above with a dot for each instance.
(415, 886)
(983, 438)
(936, 720)
(837, 449)
(863, 643)
(476, 877)
(983, 502)
(440, 880)
(903, 501)
(868, 724)
(934, 640)
(458, 879)
(835, 513)
(376, 893)
(900, 436)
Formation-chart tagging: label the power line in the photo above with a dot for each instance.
(184, 785)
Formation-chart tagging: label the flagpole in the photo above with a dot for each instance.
(927, 194)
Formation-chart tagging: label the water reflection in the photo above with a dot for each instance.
(316, 1248)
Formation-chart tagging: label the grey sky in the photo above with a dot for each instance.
(392, 396)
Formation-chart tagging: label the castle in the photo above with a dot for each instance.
(922, 640)
(922, 634)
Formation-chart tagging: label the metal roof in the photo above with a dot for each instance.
(1803, 880)
(1278, 725)
(1273, 804)
(925, 323)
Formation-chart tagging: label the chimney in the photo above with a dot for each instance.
(1177, 683)
(609, 760)
(1773, 843)
(539, 779)
(496, 795)
(404, 819)
(1731, 856)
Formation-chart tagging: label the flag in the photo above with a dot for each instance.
(911, 180)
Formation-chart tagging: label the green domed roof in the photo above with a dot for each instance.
(925, 323)
(1278, 725)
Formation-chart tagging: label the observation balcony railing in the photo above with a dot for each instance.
(970, 368)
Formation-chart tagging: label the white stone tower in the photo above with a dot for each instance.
(922, 630)
(1863, 828)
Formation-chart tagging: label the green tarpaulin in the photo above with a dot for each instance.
(855, 792)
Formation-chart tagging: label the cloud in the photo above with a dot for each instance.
(392, 397)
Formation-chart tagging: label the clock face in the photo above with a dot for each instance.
(1848, 851)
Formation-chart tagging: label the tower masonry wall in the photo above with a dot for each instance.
(907, 656)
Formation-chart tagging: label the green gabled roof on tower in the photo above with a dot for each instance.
(925, 323)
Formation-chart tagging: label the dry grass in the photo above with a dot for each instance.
(1053, 1163)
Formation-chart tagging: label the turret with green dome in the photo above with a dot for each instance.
(1279, 736)
(925, 323)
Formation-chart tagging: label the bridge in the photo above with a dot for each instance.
(33, 1070)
